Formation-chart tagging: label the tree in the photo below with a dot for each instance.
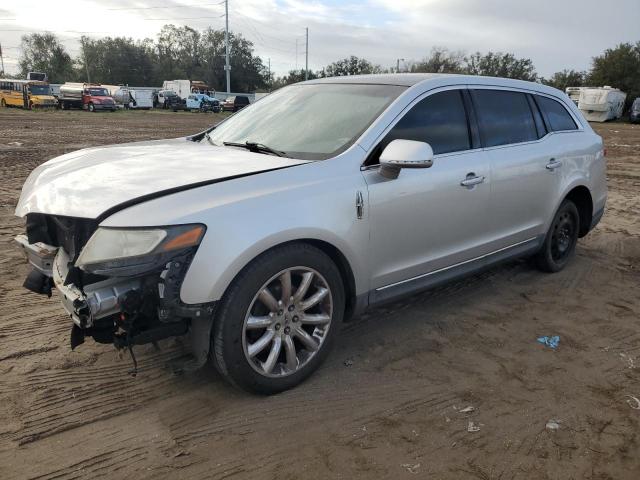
(620, 68)
(294, 76)
(566, 78)
(349, 66)
(499, 64)
(117, 60)
(440, 60)
(42, 52)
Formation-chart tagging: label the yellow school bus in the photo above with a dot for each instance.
(25, 94)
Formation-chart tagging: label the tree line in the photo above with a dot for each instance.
(184, 52)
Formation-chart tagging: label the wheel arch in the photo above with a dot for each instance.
(333, 252)
(583, 200)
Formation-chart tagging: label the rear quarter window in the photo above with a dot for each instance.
(557, 117)
(504, 117)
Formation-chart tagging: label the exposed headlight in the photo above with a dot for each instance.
(130, 251)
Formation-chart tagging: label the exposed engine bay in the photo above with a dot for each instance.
(125, 301)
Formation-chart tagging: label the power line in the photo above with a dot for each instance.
(174, 6)
(184, 18)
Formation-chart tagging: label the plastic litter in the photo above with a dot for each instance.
(411, 468)
(551, 342)
(472, 427)
(633, 402)
(553, 425)
(468, 409)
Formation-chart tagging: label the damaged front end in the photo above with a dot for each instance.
(119, 285)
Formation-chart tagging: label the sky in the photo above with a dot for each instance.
(555, 34)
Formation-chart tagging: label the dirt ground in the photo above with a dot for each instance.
(388, 403)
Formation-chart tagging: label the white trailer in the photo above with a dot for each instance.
(574, 93)
(182, 88)
(601, 104)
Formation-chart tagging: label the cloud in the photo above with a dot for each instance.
(554, 34)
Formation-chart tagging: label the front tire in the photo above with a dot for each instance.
(278, 319)
(91, 107)
(562, 237)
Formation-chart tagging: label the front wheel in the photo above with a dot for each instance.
(278, 319)
(91, 107)
(561, 239)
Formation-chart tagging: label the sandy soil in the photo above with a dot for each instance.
(388, 402)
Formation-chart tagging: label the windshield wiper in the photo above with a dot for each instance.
(256, 147)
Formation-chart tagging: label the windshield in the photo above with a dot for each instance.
(39, 90)
(312, 121)
(97, 92)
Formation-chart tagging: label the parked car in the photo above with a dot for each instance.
(175, 103)
(203, 103)
(259, 236)
(233, 104)
(87, 96)
(634, 114)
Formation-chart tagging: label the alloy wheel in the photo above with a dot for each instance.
(287, 322)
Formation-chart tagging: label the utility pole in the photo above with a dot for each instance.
(306, 57)
(227, 67)
(269, 74)
(1, 60)
(296, 54)
(86, 63)
(398, 64)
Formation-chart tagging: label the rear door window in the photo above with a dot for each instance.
(504, 117)
(558, 119)
(440, 120)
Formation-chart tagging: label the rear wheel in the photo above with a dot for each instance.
(561, 239)
(277, 321)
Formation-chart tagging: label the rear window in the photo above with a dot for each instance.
(243, 100)
(440, 120)
(558, 119)
(504, 117)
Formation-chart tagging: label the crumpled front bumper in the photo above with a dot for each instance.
(125, 311)
(96, 301)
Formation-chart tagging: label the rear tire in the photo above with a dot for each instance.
(562, 237)
(300, 331)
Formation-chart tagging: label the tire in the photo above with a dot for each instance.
(562, 237)
(30, 105)
(299, 354)
(91, 108)
(3, 104)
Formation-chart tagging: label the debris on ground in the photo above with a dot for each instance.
(411, 468)
(468, 409)
(348, 362)
(551, 342)
(631, 363)
(633, 402)
(472, 427)
(553, 425)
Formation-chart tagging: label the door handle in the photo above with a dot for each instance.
(471, 180)
(553, 164)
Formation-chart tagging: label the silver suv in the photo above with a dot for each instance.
(258, 237)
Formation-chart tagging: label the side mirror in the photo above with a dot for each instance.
(404, 154)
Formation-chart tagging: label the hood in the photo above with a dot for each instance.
(88, 182)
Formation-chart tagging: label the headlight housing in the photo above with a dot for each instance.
(133, 251)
